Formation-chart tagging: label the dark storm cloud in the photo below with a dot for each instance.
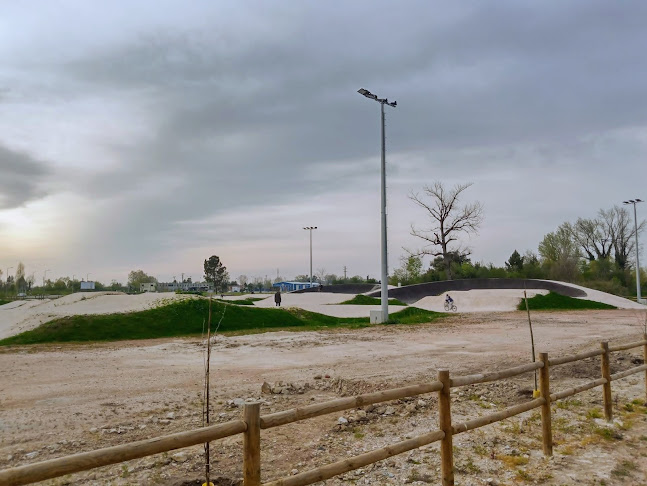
(257, 106)
(21, 178)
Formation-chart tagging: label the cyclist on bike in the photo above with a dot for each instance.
(448, 300)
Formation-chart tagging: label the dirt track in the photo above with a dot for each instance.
(92, 396)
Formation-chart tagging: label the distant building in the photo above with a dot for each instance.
(234, 288)
(292, 286)
(87, 285)
(184, 286)
(148, 287)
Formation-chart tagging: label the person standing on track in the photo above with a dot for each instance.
(277, 298)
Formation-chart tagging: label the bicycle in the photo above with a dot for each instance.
(450, 307)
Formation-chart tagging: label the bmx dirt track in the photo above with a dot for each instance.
(61, 399)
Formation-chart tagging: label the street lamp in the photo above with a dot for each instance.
(87, 277)
(310, 228)
(634, 201)
(385, 271)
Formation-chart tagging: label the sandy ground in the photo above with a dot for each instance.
(57, 400)
(325, 303)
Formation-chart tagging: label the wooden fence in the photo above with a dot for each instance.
(252, 423)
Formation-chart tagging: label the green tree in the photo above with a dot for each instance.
(515, 262)
(216, 273)
(137, 277)
(409, 272)
(560, 254)
(21, 283)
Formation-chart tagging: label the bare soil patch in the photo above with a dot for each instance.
(57, 400)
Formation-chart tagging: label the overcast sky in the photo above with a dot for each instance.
(153, 134)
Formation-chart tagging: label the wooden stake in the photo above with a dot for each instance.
(532, 338)
(546, 421)
(252, 445)
(606, 388)
(207, 455)
(645, 361)
(445, 425)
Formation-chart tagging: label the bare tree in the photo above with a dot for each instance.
(448, 220)
(622, 232)
(320, 275)
(594, 237)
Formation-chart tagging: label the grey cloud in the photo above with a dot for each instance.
(21, 178)
(262, 111)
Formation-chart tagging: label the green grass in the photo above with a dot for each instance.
(247, 301)
(3, 302)
(366, 300)
(553, 301)
(414, 315)
(185, 318)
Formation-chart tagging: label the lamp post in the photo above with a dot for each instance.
(7, 280)
(634, 201)
(310, 228)
(385, 271)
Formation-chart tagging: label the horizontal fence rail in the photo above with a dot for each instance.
(628, 372)
(497, 416)
(575, 357)
(252, 423)
(499, 375)
(114, 455)
(623, 347)
(577, 389)
(341, 404)
(337, 468)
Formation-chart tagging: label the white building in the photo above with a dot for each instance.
(148, 287)
(87, 285)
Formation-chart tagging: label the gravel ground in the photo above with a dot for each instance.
(62, 399)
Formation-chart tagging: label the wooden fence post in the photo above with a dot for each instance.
(645, 362)
(252, 445)
(445, 424)
(546, 421)
(606, 388)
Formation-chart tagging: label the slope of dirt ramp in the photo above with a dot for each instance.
(413, 293)
(500, 300)
(353, 289)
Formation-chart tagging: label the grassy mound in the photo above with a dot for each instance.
(247, 301)
(3, 302)
(554, 301)
(414, 315)
(186, 318)
(366, 300)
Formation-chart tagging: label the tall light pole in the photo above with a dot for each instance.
(310, 228)
(385, 270)
(634, 201)
(7, 280)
